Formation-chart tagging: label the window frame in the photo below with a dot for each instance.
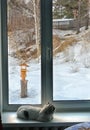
(4, 54)
(46, 62)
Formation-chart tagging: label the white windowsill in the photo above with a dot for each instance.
(60, 119)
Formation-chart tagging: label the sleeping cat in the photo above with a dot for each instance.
(35, 113)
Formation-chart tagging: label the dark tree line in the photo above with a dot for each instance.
(77, 9)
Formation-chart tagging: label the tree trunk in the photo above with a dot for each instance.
(87, 22)
(79, 17)
(87, 14)
(37, 25)
(78, 25)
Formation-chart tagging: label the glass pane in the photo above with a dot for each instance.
(24, 51)
(71, 50)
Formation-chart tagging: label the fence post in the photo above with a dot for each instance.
(23, 88)
(23, 80)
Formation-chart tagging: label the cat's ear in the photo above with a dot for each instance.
(49, 103)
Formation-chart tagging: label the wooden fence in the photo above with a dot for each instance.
(66, 24)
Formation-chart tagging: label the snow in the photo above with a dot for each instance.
(62, 20)
(71, 78)
(71, 86)
(33, 85)
(62, 33)
(27, 1)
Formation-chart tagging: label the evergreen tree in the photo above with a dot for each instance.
(77, 9)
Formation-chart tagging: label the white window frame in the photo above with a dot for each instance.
(46, 64)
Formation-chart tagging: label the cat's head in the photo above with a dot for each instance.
(48, 109)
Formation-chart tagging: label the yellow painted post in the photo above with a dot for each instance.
(23, 80)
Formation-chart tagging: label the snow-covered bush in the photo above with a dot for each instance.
(74, 68)
(68, 54)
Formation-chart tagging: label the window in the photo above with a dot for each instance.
(45, 53)
(71, 51)
(24, 56)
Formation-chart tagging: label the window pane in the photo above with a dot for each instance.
(24, 53)
(71, 50)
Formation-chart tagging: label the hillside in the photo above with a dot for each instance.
(71, 57)
(71, 73)
(73, 46)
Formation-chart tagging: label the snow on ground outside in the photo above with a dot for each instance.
(73, 77)
(33, 85)
(67, 84)
(71, 86)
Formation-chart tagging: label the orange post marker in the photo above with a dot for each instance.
(23, 71)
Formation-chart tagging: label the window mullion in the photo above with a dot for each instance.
(4, 52)
(47, 48)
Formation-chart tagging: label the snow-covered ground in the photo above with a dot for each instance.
(70, 85)
(33, 85)
(71, 79)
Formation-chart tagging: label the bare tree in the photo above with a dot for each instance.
(87, 13)
(78, 19)
(37, 24)
(26, 18)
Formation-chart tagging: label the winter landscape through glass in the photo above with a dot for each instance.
(24, 56)
(71, 49)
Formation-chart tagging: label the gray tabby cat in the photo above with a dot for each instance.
(35, 113)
